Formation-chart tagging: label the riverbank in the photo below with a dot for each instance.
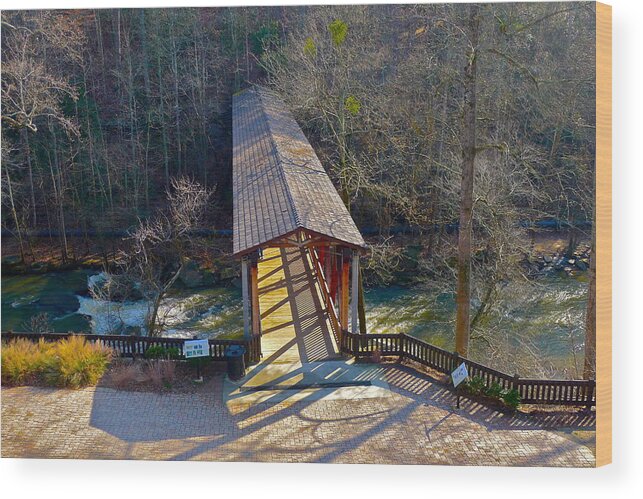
(535, 327)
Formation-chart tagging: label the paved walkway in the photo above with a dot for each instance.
(414, 424)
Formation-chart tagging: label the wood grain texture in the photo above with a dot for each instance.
(279, 184)
(294, 323)
(603, 234)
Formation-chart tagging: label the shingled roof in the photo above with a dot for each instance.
(279, 184)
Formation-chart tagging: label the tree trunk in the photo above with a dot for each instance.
(58, 195)
(25, 137)
(463, 291)
(153, 314)
(177, 107)
(15, 215)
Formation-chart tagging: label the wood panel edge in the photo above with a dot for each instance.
(603, 234)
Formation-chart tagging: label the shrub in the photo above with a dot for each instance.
(476, 385)
(125, 374)
(338, 30)
(23, 359)
(160, 372)
(168, 370)
(76, 363)
(310, 49)
(71, 362)
(160, 352)
(494, 390)
(511, 398)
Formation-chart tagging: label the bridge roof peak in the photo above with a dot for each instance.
(280, 187)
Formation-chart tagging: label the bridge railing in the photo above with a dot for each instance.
(136, 346)
(328, 301)
(532, 391)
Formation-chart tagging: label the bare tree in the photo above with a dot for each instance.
(159, 248)
(463, 291)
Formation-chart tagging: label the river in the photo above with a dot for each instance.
(539, 331)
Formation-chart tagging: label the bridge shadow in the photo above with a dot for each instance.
(274, 429)
(150, 417)
(306, 315)
(408, 382)
(271, 430)
(310, 320)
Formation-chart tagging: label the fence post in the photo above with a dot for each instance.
(402, 351)
(590, 394)
(515, 382)
(456, 359)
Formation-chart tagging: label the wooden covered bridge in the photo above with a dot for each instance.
(298, 245)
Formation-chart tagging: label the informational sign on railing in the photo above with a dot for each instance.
(196, 348)
(459, 375)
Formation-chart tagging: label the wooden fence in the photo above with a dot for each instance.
(532, 391)
(136, 346)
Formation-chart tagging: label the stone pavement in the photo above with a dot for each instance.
(415, 424)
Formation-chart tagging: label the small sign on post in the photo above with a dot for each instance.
(458, 376)
(195, 349)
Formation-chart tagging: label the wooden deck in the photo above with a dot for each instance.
(294, 323)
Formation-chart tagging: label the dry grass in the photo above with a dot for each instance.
(126, 374)
(160, 372)
(72, 362)
(22, 360)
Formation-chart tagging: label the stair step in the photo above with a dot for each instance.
(303, 386)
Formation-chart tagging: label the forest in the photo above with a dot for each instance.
(459, 130)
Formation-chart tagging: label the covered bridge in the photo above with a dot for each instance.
(287, 210)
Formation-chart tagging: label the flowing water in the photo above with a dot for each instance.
(63, 297)
(537, 331)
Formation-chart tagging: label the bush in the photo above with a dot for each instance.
(126, 374)
(161, 372)
(76, 363)
(72, 362)
(511, 398)
(494, 390)
(22, 360)
(160, 352)
(476, 385)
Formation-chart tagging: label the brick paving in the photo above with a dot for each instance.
(416, 425)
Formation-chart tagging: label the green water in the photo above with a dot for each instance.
(536, 330)
(55, 293)
(63, 297)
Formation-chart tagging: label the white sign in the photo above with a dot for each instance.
(460, 374)
(196, 348)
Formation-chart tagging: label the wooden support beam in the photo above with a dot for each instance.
(254, 293)
(334, 279)
(326, 266)
(308, 243)
(343, 308)
(245, 299)
(321, 254)
(355, 292)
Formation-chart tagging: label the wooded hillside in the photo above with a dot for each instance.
(102, 107)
